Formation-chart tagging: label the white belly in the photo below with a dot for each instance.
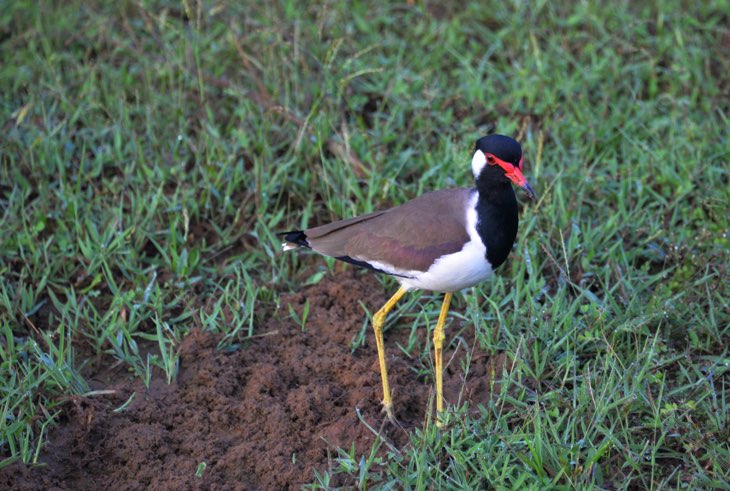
(462, 269)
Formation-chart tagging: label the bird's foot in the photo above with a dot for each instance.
(388, 408)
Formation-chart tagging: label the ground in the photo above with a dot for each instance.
(264, 415)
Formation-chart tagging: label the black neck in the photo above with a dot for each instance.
(497, 219)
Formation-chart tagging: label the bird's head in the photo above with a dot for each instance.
(498, 158)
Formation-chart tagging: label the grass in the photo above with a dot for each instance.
(151, 150)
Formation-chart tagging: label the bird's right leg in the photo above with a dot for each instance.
(438, 346)
(378, 321)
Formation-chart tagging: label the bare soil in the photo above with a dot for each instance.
(263, 416)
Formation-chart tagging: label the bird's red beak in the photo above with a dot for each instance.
(515, 175)
(513, 172)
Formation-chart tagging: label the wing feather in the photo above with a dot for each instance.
(410, 237)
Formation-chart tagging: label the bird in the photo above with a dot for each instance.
(443, 241)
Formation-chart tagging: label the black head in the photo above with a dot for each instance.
(498, 158)
(502, 147)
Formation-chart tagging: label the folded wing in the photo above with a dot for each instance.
(400, 240)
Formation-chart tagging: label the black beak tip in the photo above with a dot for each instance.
(530, 191)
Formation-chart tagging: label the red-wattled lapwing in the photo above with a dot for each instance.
(442, 241)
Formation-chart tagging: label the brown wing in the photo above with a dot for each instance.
(411, 236)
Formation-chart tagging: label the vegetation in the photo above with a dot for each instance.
(150, 151)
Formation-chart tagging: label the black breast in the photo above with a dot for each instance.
(497, 221)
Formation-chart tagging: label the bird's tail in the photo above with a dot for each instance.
(294, 239)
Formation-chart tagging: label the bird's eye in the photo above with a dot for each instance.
(490, 159)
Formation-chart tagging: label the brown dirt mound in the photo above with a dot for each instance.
(263, 416)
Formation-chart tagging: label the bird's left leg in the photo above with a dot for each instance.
(438, 346)
(378, 322)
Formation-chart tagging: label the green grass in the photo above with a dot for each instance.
(150, 151)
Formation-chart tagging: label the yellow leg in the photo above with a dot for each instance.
(438, 346)
(378, 321)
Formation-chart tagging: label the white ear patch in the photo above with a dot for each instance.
(478, 162)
